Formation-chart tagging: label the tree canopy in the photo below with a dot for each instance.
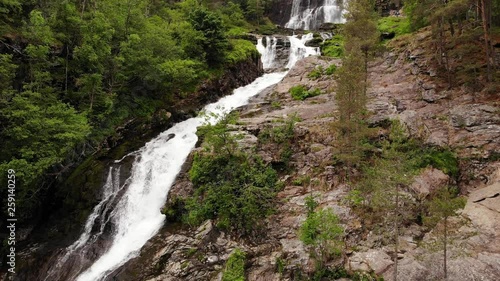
(72, 71)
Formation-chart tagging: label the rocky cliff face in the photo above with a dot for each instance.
(403, 86)
(279, 12)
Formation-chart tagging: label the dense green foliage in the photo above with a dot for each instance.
(333, 47)
(441, 159)
(392, 24)
(322, 233)
(235, 266)
(459, 29)
(300, 92)
(240, 50)
(72, 71)
(231, 186)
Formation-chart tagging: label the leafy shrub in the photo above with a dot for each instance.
(302, 180)
(276, 104)
(333, 47)
(322, 229)
(444, 160)
(326, 273)
(235, 267)
(316, 73)
(240, 50)
(331, 69)
(236, 190)
(233, 188)
(300, 92)
(322, 232)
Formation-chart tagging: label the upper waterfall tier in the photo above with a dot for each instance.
(307, 14)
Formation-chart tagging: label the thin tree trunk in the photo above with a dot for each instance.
(452, 28)
(396, 235)
(66, 72)
(83, 8)
(487, 47)
(459, 26)
(445, 246)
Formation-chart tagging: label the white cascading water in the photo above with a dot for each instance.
(313, 16)
(268, 52)
(110, 192)
(298, 49)
(135, 215)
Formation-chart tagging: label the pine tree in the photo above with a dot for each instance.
(361, 36)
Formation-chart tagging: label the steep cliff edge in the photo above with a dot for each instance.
(403, 86)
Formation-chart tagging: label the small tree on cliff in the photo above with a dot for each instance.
(351, 102)
(441, 208)
(322, 232)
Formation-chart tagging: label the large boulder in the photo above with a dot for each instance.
(429, 181)
(373, 260)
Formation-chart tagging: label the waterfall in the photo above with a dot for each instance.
(137, 215)
(268, 52)
(128, 214)
(298, 49)
(93, 230)
(314, 14)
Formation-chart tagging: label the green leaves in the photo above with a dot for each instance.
(235, 266)
(214, 42)
(69, 67)
(300, 92)
(231, 186)
(235, 190)
(321, 231)
(40, 134)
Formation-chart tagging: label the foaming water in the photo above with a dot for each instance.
(312, 16)
(268, 52)
(298, 49)
(137, 215)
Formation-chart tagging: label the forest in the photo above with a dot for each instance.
(73, 71)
